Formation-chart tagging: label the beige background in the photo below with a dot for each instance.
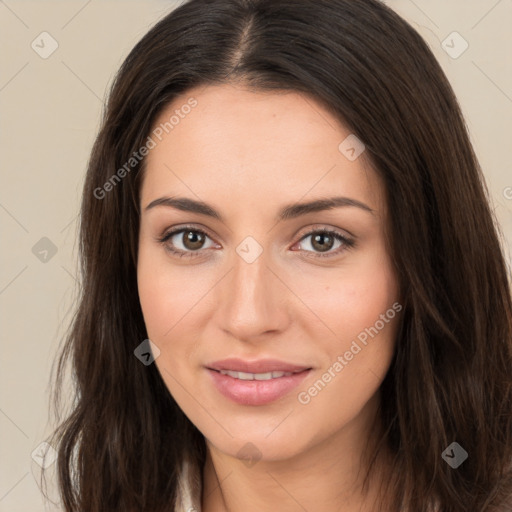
(50, 112)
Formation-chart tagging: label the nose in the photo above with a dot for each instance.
(254, 302)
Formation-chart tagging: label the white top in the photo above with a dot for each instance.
(189, 488)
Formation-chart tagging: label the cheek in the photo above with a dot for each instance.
(359, 313)
(166, 297)
(347, 300)
(156, 299)
(167, 293)
(364, 300)
(175, 303)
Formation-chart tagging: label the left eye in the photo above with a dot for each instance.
(322, 241)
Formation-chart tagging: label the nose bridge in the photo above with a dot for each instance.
(250, 274)
(250, 293)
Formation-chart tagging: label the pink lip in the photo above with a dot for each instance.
(256, 392)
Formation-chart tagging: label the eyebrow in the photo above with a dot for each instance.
(290, 211)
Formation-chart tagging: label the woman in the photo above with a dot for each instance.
(294, 295)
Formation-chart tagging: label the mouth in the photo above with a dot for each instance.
(256, 382)
(255, 376)
(261, 366)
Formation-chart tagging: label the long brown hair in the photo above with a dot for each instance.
(121, 445)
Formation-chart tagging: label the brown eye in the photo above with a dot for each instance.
(322, 241)
(185, 242)
(193, 240)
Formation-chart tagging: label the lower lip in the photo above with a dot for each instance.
(256, 392)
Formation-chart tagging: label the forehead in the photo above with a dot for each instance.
(271, 146)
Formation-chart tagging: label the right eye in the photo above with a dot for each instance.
(190, 238)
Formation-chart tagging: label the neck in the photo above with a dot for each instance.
(328, 477)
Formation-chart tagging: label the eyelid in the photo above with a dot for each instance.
(170, 231)
(324, 228)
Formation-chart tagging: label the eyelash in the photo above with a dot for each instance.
(348, 243)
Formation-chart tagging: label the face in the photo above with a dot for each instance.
(299, 305)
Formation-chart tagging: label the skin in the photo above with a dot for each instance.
(247, 154)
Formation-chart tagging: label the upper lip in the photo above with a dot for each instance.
(259, 366)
